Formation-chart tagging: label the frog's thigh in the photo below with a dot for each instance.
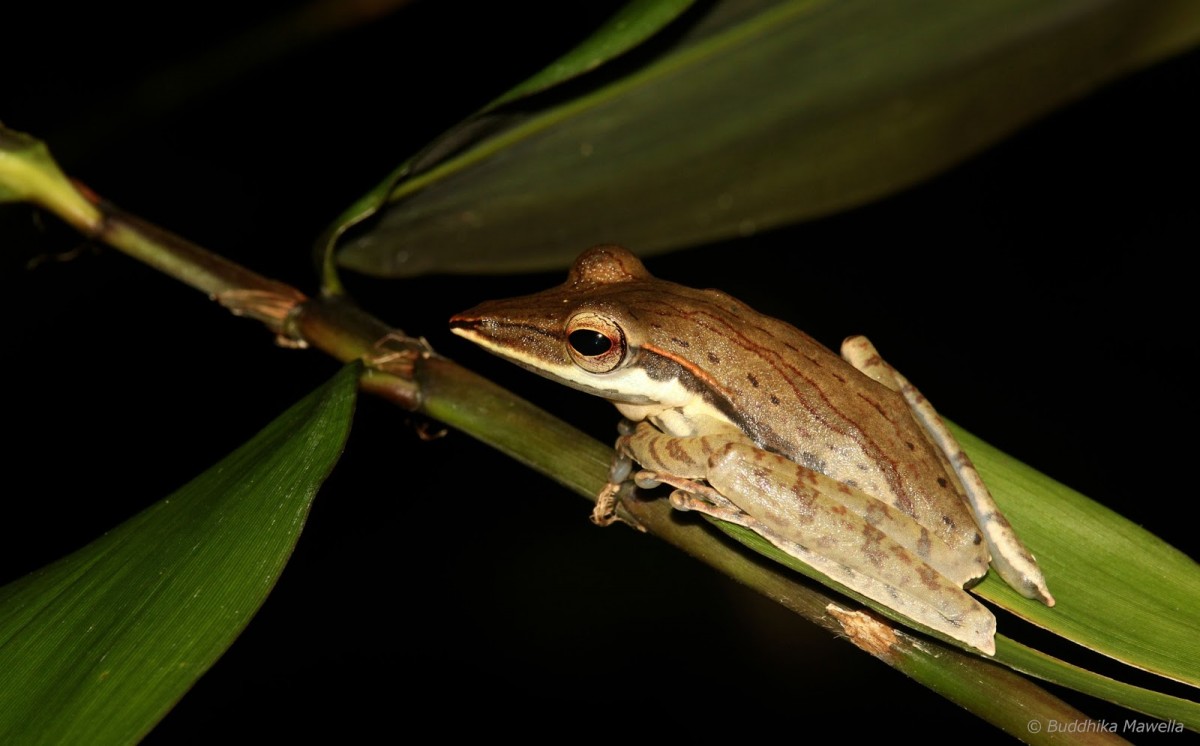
(674, 455)
(852, 538)
(849, 537)
(1010, 557)
(785, 497)
(838, 521)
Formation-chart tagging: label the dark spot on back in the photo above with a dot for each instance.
(752, 379)
(924, 546)
(911, 447)
(978, 540)
(775, 400)
(812, 461)
(942, 482)
(712, 358)
(680, 342)
(929, 577)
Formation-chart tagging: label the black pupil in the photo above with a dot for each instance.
(590, 342)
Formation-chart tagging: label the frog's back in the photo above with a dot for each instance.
(794, 396)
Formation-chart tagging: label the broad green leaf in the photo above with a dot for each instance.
(636, 22)
(763, 113)
(98, 646)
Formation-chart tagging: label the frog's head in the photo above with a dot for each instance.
(594, 332)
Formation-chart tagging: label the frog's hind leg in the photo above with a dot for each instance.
(940, 604)
(1010, 557)
(842, 534)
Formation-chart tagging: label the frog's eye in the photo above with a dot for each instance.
(595, 342)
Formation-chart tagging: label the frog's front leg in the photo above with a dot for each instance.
(840, 532)
(619, 472)
(670, 460)
(1010, 557)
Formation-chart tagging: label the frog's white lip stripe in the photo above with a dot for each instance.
(568, 375)
(669, 403)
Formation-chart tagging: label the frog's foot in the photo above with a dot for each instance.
(605, 512)
(647, 480)
(689, 494)
(722, 510)
(608, 501)
(608, 509)
(397, 353)
(1011, 559)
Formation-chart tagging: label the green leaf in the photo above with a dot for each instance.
(98, 646)
(763, 113)
(636, 22)
(1121, 590)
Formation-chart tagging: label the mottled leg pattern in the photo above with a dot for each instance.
(692, 495)
(662, 454)
(1010, 557)
(840, 532)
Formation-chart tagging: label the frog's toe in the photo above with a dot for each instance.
(685, 501)
(646, 480)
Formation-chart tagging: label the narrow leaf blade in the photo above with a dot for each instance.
(98, 646)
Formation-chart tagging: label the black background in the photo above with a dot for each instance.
(1041, 294)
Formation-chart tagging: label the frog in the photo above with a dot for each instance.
(836, 460)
